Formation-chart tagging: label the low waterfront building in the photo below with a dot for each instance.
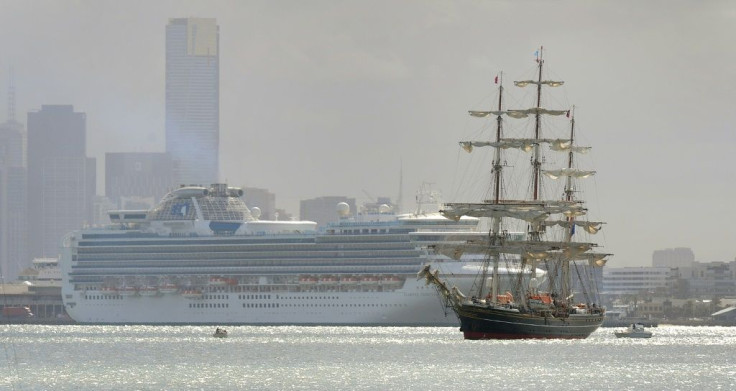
(634, 280)
(39, 289)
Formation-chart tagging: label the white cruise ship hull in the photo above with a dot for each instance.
(200, 257)
(415, 304)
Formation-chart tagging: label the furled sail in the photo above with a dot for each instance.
(551, 83)
(564, 172)
(565, 145)
(523, 144)
(529, 212)
(591, 227)
(532, 250)
(482, 114)
(533, 111)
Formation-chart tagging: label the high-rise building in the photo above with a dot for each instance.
(673, 257)
(13, 230)
(61, 178)
(137, 180)
(193, 99)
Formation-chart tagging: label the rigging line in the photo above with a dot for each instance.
(454, 184)
(582, 284)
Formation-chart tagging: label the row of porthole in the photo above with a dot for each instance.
(254, 297)
(276, 305)
(103, 297)
(209, 305)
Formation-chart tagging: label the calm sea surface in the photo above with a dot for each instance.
(357, 358)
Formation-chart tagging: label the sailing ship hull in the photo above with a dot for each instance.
(488, 323)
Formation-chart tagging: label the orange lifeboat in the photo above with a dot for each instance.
(506, 298)
(308, 280)
(168, 288)
(348, 281)
(218, 281)
(369, 280)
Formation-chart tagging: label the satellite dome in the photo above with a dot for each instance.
(343, 209)
(256, 212)
(384, 208)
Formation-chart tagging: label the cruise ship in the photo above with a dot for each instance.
(201, 256)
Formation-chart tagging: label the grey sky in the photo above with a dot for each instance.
(329, 97)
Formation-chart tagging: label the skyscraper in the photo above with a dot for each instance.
(13, 229)
(193, 99)
(61, 178)
(12, 201)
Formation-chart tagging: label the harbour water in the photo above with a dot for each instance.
(357, 358)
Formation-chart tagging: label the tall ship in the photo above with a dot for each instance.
(538, 230)
(201, 256)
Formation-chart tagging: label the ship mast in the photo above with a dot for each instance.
(496, 221)
(497, 153)
(569, 197)
(537, 125)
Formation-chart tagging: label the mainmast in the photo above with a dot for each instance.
(497, 158)
(537, 125)
(496, 221)
(569, 197)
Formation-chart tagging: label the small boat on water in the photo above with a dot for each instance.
(220, 333)
(635, 330)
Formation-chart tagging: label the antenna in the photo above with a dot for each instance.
(11, 95)
(400, 198)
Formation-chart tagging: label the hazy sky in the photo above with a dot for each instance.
(331, 97)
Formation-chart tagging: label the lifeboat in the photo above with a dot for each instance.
(191, 294)
(348, 281)
(369, 281)
(218, 281)
(109, 290)
(328, 280)
(168, 288)
(506, 298)
(540, 301)
(308, 280)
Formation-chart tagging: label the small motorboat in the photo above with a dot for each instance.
(635, 330)
(220, 333)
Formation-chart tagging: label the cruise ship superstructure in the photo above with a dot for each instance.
(202, 257)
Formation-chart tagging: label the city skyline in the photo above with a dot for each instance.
(330, 99)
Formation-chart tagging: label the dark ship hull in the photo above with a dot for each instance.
(481, 322)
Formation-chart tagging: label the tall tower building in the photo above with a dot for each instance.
(193, 99)
(13, 229)
(61, 178)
